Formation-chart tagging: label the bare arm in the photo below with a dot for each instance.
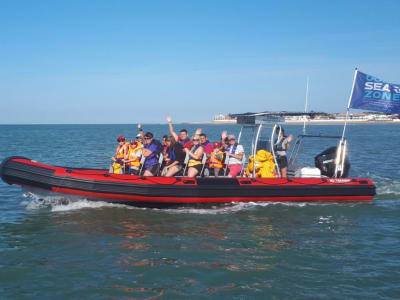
(237, 156)
(146, 152)
(224, 134)
(139, 126)
(289, 139)
(198, 132)
(171, 128)
(173, 164)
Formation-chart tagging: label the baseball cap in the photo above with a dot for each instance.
(148, 135)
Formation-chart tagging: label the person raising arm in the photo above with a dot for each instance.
(183, 138)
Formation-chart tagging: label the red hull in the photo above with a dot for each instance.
(99, 184)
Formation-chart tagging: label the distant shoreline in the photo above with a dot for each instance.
(211, 123)
(341, 122)
(313, 122)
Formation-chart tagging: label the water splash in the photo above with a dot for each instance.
(57, 202)
(386, 188)
(246, 206)
(35, 200)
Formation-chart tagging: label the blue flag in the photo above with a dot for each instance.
(371, 93)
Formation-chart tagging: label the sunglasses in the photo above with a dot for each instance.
(195, 140)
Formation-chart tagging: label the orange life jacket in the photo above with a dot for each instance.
(214, 161)
(119, 152)
(132, 155)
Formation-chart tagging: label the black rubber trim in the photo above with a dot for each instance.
(219, 181)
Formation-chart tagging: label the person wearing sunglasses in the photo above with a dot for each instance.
(196, 155)
(151, 150)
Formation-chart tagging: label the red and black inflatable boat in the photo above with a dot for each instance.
(97, 184)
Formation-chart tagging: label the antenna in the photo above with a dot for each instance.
(305, 107)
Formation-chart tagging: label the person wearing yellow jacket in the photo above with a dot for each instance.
(132, 157)
(264, 165)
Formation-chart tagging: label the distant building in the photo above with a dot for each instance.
(300, 117)
(223, 119)
(273, 117)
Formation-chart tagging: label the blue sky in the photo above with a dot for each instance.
(137, 61)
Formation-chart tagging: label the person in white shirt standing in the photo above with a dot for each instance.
(235, 155)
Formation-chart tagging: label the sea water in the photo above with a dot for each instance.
(53, 246)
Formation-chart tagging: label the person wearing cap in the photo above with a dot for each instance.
(139, 138)
(216, 159)
(120, 154)
(121, 149)
(234, 153)
(151, 150)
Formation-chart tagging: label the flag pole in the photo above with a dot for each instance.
(348, 105)
(341, 151)
(305, 107)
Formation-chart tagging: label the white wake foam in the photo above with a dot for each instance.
(242, 206)
(57, 202)
(387, 187)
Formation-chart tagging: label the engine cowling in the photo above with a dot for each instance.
(325, 161)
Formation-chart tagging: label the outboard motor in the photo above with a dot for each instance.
(325, 161)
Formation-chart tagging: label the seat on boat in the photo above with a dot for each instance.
(142, 160)
(185, 162)
(160, 161)
(203, 162)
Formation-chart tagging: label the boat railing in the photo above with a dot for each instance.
(340, 153)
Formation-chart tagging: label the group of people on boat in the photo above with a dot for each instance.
(181, 155)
